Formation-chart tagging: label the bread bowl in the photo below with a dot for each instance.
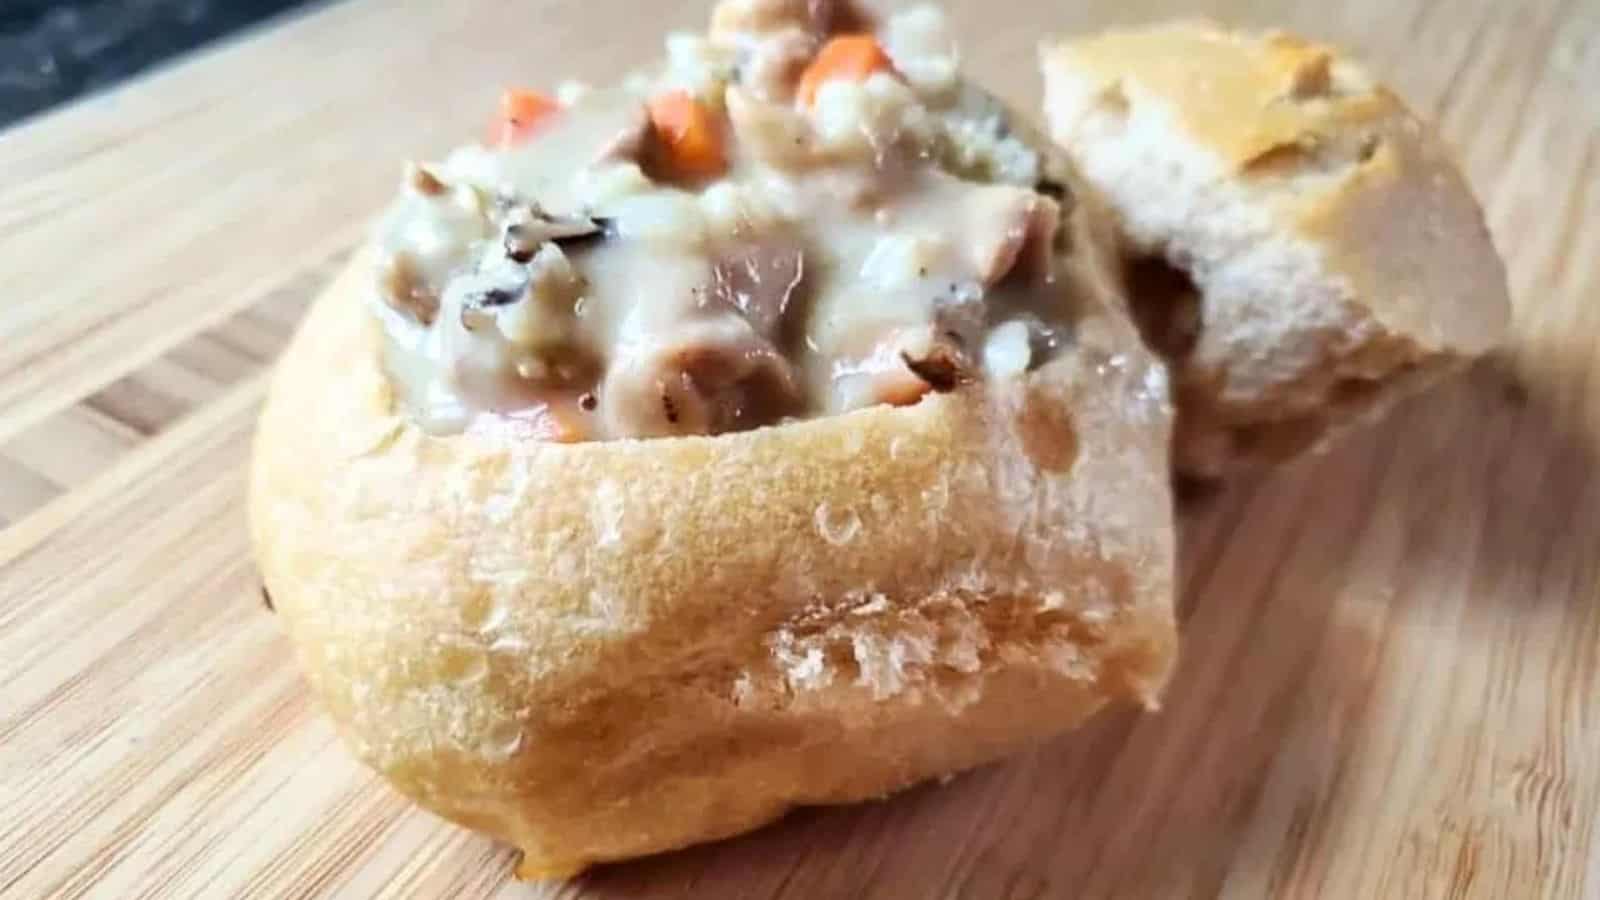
(1305, 249)
(566, 569)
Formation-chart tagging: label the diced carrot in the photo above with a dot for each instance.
(686, 136)
(899, 388)
(562, 422)
(565, 430)
(522, 114)
(853, 57)
(556, 420)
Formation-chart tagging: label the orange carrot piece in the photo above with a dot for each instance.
(522, 114)
(557, 421)
(853, 57)
(687, 137)
(564, 428)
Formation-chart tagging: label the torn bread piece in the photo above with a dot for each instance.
(1302, 248)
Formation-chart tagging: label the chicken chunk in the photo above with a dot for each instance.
(1010, 228)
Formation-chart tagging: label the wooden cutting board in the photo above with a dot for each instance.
(1391, 676)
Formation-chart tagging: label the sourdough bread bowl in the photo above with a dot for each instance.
(665, 624)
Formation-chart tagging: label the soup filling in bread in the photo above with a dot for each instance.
(801, 213)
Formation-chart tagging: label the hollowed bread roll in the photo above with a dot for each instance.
(697, 451)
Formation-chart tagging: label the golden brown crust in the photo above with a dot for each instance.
(600, 650)
(1296, 166)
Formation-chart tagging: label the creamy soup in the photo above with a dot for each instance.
(801, 213)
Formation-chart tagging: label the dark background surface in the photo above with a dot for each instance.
(51, 52)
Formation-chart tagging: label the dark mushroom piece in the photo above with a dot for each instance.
(943, 366)
(529, 227)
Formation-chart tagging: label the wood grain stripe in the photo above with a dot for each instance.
(66, 449)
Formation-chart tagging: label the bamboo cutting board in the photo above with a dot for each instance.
(1391, 675)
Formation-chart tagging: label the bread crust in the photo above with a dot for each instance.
(601, 650)
(1340, 258)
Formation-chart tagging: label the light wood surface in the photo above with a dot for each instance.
(1391, 676)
